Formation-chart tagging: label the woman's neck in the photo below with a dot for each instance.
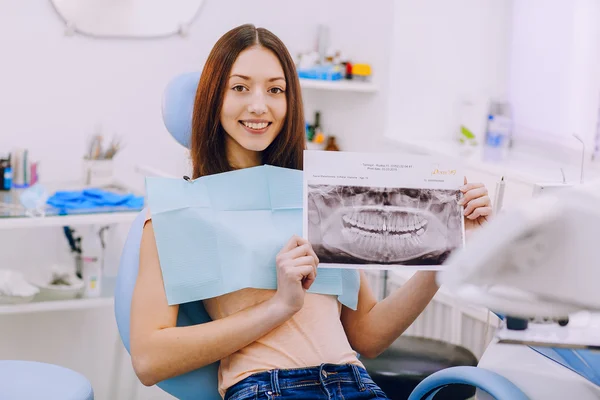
(239, 157)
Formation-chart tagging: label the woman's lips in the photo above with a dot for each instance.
(254, 130)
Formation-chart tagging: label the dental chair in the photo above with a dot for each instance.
(421, 366)
(26, 380)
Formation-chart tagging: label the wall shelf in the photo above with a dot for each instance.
(56, 305)
(105, 218)
(342, 85)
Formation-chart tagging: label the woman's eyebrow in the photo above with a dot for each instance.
(247, 78)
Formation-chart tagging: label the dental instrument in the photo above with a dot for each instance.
(499, 195)
(537, 265)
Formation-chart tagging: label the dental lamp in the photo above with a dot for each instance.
(537, 264)
(537, 261)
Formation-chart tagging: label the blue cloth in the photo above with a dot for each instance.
(91, 199)
(326, 73)
(221, 233)
(325, 382)
(26, 380)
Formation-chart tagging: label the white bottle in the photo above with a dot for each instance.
(91, 263)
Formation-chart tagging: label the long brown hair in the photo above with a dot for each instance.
(208, 136)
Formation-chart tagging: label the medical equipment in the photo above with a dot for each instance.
(37, 380)
(548, 187)
(539, 253)
(537, 263)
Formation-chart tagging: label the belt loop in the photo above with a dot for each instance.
(359, 382)
(275, 382)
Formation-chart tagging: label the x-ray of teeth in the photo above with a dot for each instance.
(378, 225)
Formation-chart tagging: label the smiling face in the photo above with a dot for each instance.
(254, 107)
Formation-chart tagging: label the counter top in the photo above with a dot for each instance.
(522, 166)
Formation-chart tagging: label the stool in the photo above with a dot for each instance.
(409, 360)
(27, 380)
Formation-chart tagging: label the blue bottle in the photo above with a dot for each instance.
(5, 174)
(7, 178)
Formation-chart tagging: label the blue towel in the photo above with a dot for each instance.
(90, 199)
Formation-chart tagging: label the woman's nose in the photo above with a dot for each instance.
(257, 105)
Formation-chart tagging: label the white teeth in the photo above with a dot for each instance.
(395, 224)
(257, 126)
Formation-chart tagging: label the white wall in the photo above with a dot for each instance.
(444, 52)
(554, 64)
(55, 89)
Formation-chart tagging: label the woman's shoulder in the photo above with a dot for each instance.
(148, 216)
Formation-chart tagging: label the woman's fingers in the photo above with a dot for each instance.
(476, 204)
(473, 194)
(308, 275)
(303, 250)
(306, 260)
(470, 186)
(294, 241)
(480, 212)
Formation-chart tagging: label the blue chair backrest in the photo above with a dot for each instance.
(178, 106)
(202, 383)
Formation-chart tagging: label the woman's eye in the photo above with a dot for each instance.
(276, 90)
(238, 88)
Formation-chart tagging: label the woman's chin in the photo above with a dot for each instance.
(256, 144)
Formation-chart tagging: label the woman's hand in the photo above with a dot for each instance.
(296, 271)
(477, 204)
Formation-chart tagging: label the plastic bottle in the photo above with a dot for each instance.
(498, 133)
(331, 144)
(91, 263)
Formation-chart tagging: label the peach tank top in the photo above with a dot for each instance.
(313, 336)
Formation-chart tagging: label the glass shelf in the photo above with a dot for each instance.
(106, 299)
(14, 215)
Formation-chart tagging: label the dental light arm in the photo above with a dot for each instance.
(539, 259)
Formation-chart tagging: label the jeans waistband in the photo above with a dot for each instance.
(276, 380)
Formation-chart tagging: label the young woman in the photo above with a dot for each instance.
(286, 342)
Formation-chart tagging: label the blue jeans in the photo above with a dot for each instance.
(327, 381)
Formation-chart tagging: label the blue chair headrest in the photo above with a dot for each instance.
(178, 106)
(201, 384)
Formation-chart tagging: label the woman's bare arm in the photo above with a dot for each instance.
(160, 350)
(374, 326)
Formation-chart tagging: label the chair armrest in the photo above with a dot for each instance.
(494, 384)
